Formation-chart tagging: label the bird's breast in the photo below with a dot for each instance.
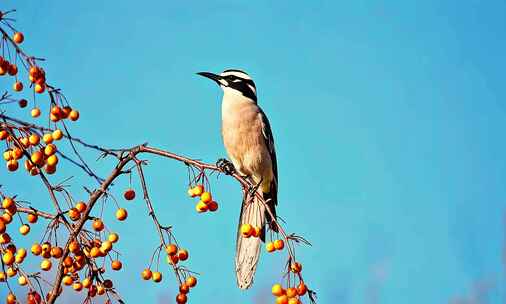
(243, 138)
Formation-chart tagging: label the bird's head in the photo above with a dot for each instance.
(234, 82)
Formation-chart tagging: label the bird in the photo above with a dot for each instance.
(249, 143)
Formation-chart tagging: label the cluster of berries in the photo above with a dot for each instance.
(206, 202)
(290, 295)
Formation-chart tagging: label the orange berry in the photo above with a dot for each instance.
(54, 118)
(100, 289)
(191, 281)
(34, 171)
(146, 274)
(270, 247)
(7, 155)
(77, 286)
(18, 37)
(11, 272)
(291, 292)
(68, 261)
(113, 237)
(94, 252)
(121, 214)
(57, 134)
(98, 225)
(190, 190)
(12, 165)
(24, 142)
(65, 112)
(3, 134)
(183, 288)
(279, 244)
(7, 218)
(81, 206)
(56, 252)
(11, 248)
(74, 115)
(172, 259)
(74, 246)
(293, 301)
(206, 197)
(257, 231)
(198, 190)
(24, 229)
(35, 112)
(277, 290)
(106, 246)
(56, 110)
(46, 247)
(28, 165)
(34, 139)
(17, 153)
(301, 289)
(48, 138)
(23, 103)
(36, 249)
(8, 258)
(39, 88)
(37, 158)
(46, 265)
(283, 299)
(246, 230)
(52, 160)
(32, 218)
(22, 280)
(213, 206)
(201, 207)
(3, 227)
(171, 249)
(129, 194)
(13, 70)
(116, 265)
(11, 299)
(67, 280)
(17, 86)
(74, 214)
(181, 298)
(296, 267)
(50, 169)
(8, 203)
(156, 276)
(182, 254)
(87, 282)
(50, 149)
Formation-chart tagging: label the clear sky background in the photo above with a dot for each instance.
(389, 123)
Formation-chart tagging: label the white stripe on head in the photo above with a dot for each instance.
(236, 73)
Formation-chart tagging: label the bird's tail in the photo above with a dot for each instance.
(248, 249)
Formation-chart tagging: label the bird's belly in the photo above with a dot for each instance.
(246, 148)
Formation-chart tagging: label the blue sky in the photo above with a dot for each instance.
(388, 120)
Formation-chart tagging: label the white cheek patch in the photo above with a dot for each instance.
(223, 82)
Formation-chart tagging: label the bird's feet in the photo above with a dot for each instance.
(254, 188)
(225, 166)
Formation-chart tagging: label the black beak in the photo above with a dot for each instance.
(211, 76)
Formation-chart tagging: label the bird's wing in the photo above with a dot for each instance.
(269, 141)
(272, 196)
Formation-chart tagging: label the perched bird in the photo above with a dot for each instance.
(248, 139)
